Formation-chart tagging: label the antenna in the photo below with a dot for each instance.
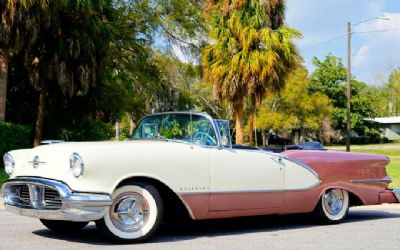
(191, 126)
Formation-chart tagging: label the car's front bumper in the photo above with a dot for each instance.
(52, 200)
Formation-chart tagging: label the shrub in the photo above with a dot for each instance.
(88, 130)
(365, 139)
(13, 136)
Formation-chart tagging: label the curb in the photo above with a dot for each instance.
(387, 206)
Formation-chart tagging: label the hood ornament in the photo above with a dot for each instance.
(36, 161)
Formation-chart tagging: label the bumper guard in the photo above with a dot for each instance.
(68, 205)
(396, 192)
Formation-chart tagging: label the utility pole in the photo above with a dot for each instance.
(348, 89)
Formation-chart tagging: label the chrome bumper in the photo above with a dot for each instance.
(396, 192)
(67, 205)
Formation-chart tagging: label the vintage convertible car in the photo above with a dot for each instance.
(182, 163)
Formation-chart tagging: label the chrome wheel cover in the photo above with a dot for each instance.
(333, 201)
(129, 212)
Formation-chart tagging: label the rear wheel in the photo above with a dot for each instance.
(61, 226)
(333, 206)
(134, 215)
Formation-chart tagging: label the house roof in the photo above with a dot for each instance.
(386, 120)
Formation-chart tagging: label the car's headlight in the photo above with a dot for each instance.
(76, 164)
(9, 163)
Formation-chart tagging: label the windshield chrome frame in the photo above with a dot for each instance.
(229, 133)
(203, 114)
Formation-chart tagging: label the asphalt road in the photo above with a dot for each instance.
(375, 227)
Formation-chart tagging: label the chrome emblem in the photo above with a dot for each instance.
(36, 161)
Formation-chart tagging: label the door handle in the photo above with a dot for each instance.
(277, 159)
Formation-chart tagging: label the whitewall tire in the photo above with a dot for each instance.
(333, 206)
(134, 215)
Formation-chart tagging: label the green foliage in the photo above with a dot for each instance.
(87, 130)
(99, 61)
(295, 107)
(248, 56)
(3, 176)
(14, 136)
(171, 130)
(365, 139)
(329, 78)
(392, 90)
(252, 52)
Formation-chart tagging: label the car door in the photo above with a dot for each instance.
(245, 179)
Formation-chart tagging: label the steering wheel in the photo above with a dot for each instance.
(202, 138)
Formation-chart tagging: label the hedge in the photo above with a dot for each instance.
(13, 136)
(365, 139)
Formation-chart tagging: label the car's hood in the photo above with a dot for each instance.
(55, 157)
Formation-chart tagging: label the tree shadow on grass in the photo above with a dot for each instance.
(219, 227)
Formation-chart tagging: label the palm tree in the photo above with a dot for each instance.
(250, 54)
(3, 82)
(18, 27)
(67, 53)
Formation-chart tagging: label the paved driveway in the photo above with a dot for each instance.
(375, 227)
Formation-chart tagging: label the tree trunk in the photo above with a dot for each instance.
(267, 138)
(40, 115)
(301, 139)
(295, 136)
(239, 125)
(263, 137)
(3, 82)
(251, 128)
(132, 126)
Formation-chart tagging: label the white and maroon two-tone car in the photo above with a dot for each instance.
(184, 160)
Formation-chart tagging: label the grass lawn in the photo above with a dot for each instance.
(393, 153)
(3, 176)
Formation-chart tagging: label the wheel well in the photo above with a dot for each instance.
(174, 208)
(354, 200)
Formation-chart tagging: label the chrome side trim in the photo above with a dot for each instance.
(385, 179)
(396, 192)
(75, 206)
(249, 191)
(47, 142)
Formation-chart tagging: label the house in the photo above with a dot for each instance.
(390, 127)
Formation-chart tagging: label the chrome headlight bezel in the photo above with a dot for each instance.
(76, 165)
(9, 163)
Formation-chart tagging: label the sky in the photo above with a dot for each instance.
(323, 24)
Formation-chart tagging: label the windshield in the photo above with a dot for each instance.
(193, 128)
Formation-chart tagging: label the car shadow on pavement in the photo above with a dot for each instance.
(220, 227)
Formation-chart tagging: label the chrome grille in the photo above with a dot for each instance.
(52, 197)
(24, 194)
(33, 196)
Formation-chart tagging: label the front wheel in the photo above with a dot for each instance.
(333, 206)
(134, 215)
(60, 226)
